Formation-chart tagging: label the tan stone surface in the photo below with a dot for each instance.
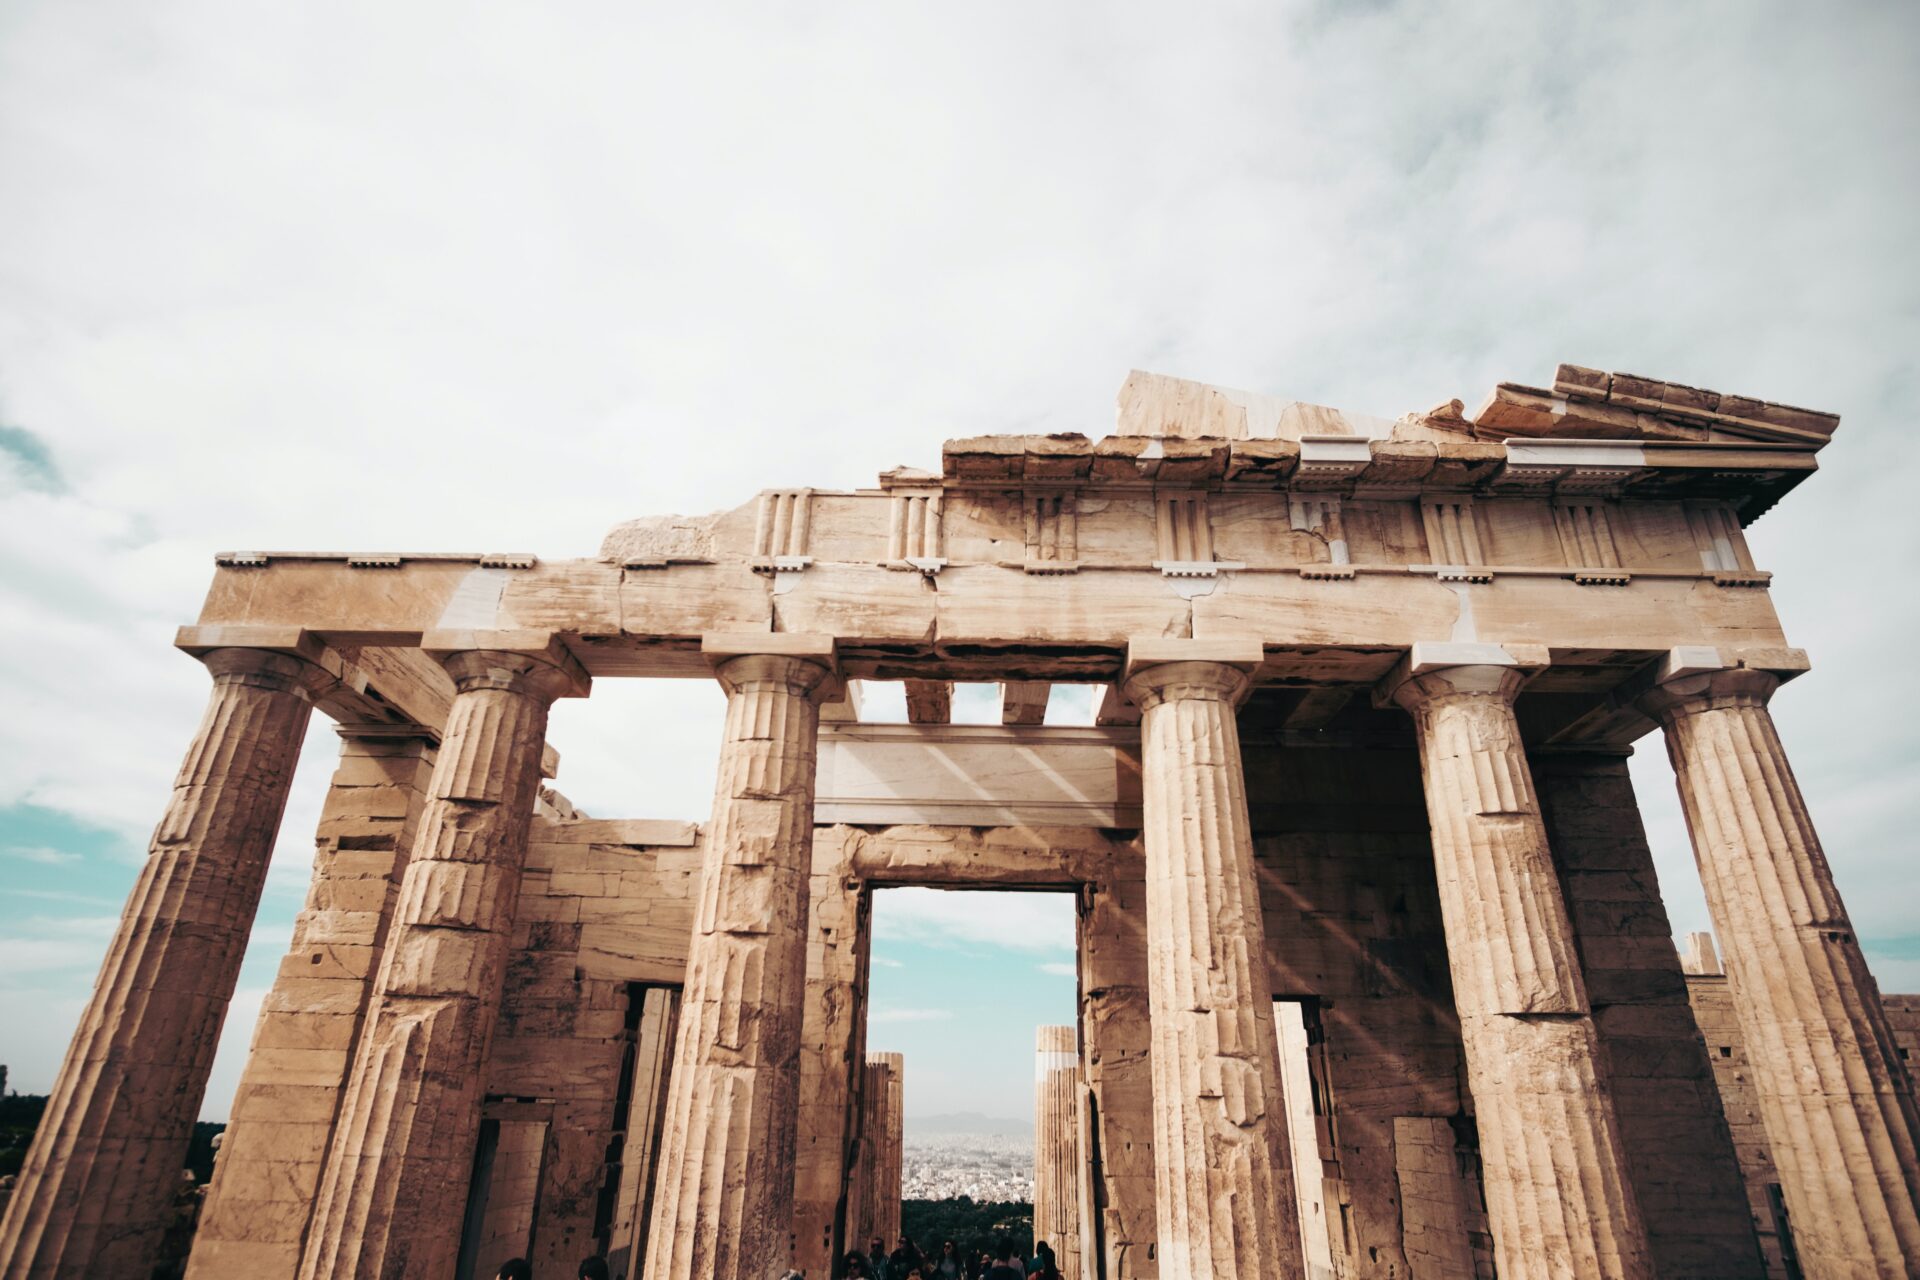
(633, 1194)
(1712, 1004)
(273, 1150)
(886, 1117)
(833, 1037)
(1222, 1166)
(390, 1201)
(1680, 1154)
(1838, 1106)
(1558, 1190)
(979, 775)
(1346, 545)
(97, 1188)
(727, 1158)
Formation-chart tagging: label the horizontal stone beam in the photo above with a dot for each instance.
(985, 622)
(978, 775)
(1018, 857)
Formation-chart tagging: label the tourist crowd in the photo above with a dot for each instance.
(1000, 1261)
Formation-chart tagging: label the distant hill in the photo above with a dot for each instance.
(968, 1122)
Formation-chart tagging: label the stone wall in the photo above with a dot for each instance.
(1353, 935)
(1353, 927)
(605, 904)
(1711, 999)
(261, 1198)
(1679, 1153)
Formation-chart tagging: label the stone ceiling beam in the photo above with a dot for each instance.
(1024, 701)
(930, 701)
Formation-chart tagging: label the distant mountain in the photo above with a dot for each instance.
(967, 1122)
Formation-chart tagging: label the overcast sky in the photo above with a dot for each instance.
(444, 276)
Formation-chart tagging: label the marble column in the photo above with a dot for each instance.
(1222, 1169)
(888, 1149)
(858, 1229)
(1554, 1171)
(99, 1181)
(723, 1209)
(1837, 1104)
(272, 1155)
(395, 1183)
(1057, 1168)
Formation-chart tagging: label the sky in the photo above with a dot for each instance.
(958, 981)
(484, 277)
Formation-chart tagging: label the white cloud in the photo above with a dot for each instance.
(888, 962)
(440, 277)
(41, 854)
(1060, 969)
(948, 918)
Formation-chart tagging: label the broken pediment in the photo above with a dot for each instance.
(1582, 404)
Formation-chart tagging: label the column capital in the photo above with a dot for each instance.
(1444, 670)
(1698, 678)
(272, 657)
(807, 664)
(1219, 670)
(803, 677)
(1707, 691)
(268, 668)
(534, 663)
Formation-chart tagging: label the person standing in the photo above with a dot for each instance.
(1007, 1265)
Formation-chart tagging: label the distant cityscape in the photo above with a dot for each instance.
(944, 1157)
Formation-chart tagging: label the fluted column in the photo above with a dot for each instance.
(98, 1184)
(723, 1208)
(1554, 1171)
(1837, 1105)
(1222, 1169)
(1057, 1168)
(395, 1184)
(888, 1149)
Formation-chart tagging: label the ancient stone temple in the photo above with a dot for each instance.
(1374, 975)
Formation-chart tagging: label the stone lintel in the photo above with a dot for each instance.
(978, 775)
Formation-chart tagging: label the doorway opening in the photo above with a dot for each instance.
(960, 985)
